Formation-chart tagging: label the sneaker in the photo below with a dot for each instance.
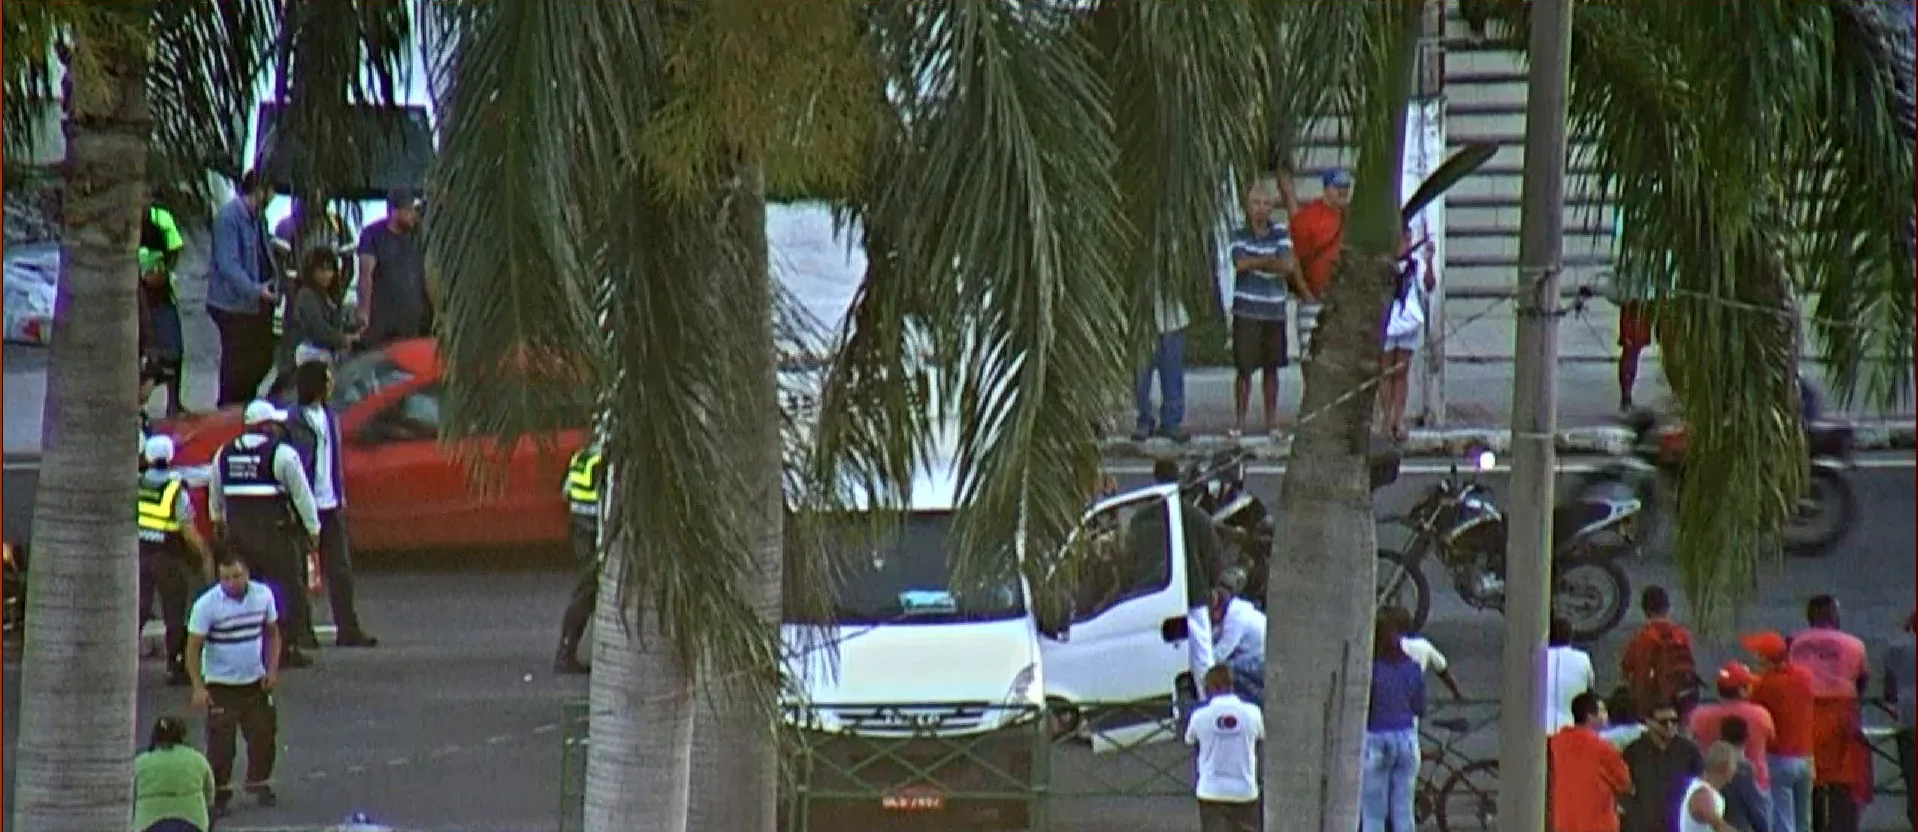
(1178, 436)
(295, 659)
(307, 641)
(222, 803)
(263, 795)
(355, 640)
(1624, 404)
(1142, 433)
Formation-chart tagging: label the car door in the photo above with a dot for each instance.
(1128, 580)
(402, 491)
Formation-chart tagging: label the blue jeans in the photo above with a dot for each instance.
(1168, 361)
(1790, 793)
(1387, 780)
(1248, 678)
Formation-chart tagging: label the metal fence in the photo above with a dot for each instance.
(1098, 766)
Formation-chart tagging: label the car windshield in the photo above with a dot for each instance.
(361, 376)
(907, 579)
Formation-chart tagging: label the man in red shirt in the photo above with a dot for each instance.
(1784, 691)
(1587, 774)
(1735, 681)
(1840, 670)
(1318, 234)
(1658, 665)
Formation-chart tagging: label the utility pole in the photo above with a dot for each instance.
(1528, 591)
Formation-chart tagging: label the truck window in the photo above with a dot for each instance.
(1124, 555)
(906, 577)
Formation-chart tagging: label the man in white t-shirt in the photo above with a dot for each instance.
(1568, 673)
(233, 660)
(1238, 632)
(1227, 731)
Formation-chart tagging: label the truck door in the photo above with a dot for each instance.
(1128, 564)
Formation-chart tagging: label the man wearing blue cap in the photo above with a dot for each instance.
(1318, 232)
(1263, 270)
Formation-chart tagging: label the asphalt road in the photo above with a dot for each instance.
(452, 724)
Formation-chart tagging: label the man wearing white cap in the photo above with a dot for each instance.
(175, 561)
(260, 490)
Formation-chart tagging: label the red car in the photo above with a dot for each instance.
(404, 489)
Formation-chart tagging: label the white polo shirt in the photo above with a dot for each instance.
(1227, 731)
(235, 633)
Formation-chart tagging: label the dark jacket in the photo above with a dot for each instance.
(1747, 808)
(312, 317)
(1659, 777)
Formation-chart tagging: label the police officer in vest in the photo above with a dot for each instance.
(175, 561)
(585, 478)
(262, 505)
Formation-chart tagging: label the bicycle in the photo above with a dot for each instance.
(1457, 792)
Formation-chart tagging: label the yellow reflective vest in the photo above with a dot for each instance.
(583, 478)
(158, 524)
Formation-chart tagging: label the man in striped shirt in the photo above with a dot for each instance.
(1264, 268)
(233, 660)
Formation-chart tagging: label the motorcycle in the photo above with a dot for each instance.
(1457, 522)
(1653, 473)
(1217, 486)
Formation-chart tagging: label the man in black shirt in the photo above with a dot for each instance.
(1662, 763)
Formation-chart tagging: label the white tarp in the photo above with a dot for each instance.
(33, 279)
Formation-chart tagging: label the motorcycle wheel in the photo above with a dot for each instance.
(1592, 592)
(1826, 517)
(1404, 585)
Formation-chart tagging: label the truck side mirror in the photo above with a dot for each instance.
(1173, 630)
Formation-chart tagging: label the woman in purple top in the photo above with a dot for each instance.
(1391, 764)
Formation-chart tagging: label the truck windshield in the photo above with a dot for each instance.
(908, 579)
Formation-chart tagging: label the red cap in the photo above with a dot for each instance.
(1735, 676)
(1768, 645)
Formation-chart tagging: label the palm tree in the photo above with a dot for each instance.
(978, 145)
(1732, 181)
(80, 657)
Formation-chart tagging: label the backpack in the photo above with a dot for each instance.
(1673, 673)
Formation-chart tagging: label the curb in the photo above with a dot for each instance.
(1886, 435)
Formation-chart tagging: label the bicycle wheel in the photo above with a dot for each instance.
(1468, 802)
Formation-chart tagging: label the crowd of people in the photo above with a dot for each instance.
(1281, 266)
(1782, 749)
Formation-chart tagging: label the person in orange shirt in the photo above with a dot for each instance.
(1587, 774)
(1735, 682)
(1784, 691)
(1841, 761)
(1658, 664)
(1318, 234)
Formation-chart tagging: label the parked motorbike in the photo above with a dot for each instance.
(1457, 522)
(1653, 473)
(1217, 486)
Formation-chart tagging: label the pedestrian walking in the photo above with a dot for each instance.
(262, 505)
(1658, 664)
(1227, 731)
(1167, 362)
(233, 654)
(173, 786)
(1747, 804)
(316, 327)
(1587, 776)
(162, 343)
(1901, 689)
(175, 561)
(1263, 269)
(585, 479)
(241, 292)
(1318, 234)
(394, 303)
(1568, 673)
(1841, 762)
(1389, 773)
(316, 432)
(1735, 682)
(1703, 806)
(1662, 761)
(1641, 300)
(1784, 690)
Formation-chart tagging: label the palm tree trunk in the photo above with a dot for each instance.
(735, 747)
(1321, 584)
(81, 658)
(639, 763)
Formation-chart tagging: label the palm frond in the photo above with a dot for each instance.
(1002, 211)
(1187, 95)
(1314, 61)
(214, 56)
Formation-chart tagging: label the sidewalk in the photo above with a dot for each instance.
(1479, 408)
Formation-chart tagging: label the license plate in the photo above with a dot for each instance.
(913, 799)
